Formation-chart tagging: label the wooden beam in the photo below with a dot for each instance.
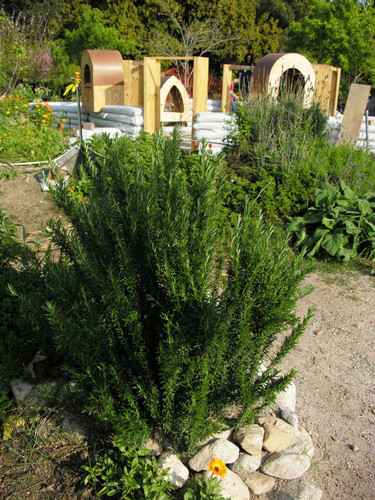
(127, 82)
(225, 89)
(151, 94)
(200, 87)
(239, 66)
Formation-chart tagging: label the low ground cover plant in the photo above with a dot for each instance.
(161, 314)
(340, 224)
(280, 155)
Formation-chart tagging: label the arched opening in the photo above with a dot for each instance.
(292, 84)
(87, 75)
(173, 101)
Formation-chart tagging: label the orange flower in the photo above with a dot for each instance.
(70, 191)
(217, 466)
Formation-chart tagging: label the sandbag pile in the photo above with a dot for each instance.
(128, 119)
(334, 124)
(214, 127)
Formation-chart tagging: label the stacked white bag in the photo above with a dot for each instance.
(334, 125)
(128, 119)
(214, 127)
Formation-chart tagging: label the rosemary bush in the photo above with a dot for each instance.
(162, 314)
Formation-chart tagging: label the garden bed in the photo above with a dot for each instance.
(335, 361)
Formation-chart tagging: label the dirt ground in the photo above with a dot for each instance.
(335, 360)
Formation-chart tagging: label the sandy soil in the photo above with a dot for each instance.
(336, 367)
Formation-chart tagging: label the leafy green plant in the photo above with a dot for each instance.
(132, 475)
(205, 489)
(162, 315)
(341, 224)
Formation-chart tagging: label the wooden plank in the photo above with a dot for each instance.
(225, 90)
(151, 93)
(354, 112)
(239, 66)
(127, 82)
(200, 87)
(136, 98)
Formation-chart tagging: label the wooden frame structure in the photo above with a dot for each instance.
(327, 84)
(152, 88)
(107, 79)
(227, 81)
(103, 79)
(323, 80)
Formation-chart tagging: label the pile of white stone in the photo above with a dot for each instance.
(256, 456)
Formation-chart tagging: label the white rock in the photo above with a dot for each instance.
(277, 434)
(259, 483)
(178, 474)
(231, 485)
(289, 416)
(32, 394)
(302, 443)
(246, 464)
(219, 448)
(250, 438)
(154, 444)
(225, 434)
(74, 428)
(286, 465)
(288, 397)
(299, 489)
(21, 390)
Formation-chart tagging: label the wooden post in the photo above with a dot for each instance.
(151, 94)
(127, 81)
(335, 86)
(225, 91)
(200, 87)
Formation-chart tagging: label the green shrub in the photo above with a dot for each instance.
(163, 317)
(340, 224)
(280, 155)
(20, 336)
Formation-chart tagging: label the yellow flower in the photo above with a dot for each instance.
(45, 116)
(8, 112)
(43, 121)
(217, 466)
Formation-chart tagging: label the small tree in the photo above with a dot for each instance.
(164, 316)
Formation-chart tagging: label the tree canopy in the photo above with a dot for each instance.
(336, 32)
